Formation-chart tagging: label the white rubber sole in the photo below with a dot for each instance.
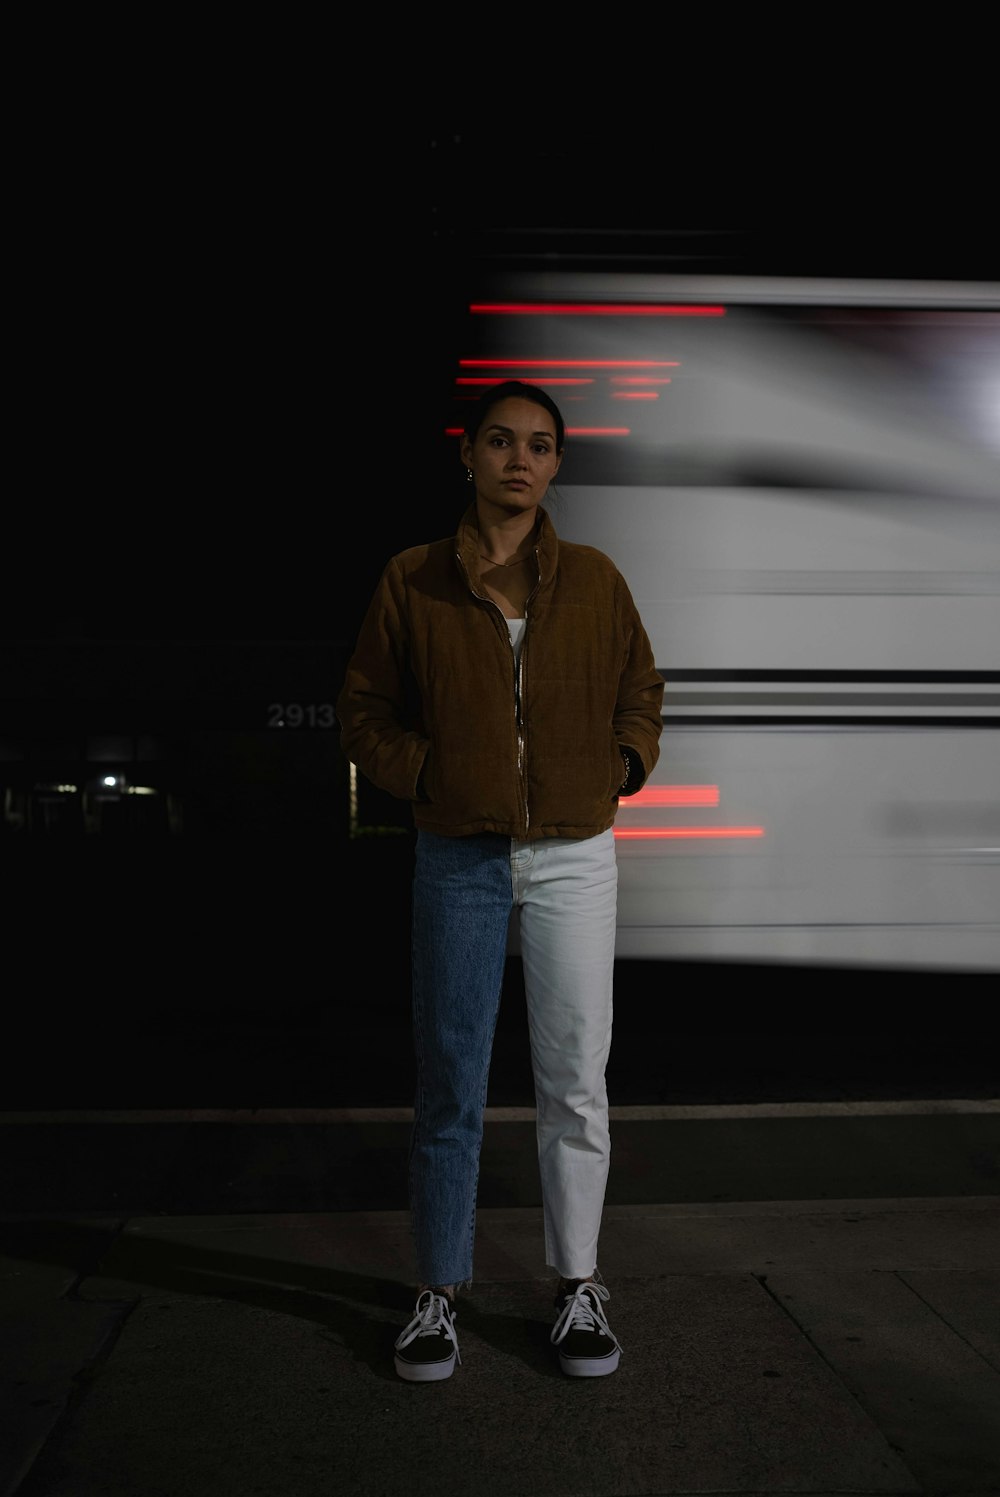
(590, 1367)
(425, 1372)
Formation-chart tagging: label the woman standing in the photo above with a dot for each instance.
(503, 684)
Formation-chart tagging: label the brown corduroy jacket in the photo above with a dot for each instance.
(433, 709)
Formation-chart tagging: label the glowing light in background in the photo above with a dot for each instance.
(569, 363)
(592, 309)
(674, 795)
(571, 431)
(688, 831)
(557, 379)
(679, 795)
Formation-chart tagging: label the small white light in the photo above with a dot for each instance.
(109, 779)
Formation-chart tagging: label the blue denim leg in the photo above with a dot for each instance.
(462, 899)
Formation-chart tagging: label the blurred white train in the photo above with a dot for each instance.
(801, 483)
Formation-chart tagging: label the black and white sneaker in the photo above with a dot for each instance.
(587, 1345)
(428, 1348)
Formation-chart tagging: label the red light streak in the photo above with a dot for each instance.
(641, 379)
(571, 431)
(688, 831)
(592, 309)
(569, 363)
(486, 379)
(679, 795)
(673, 795)
(635, 395)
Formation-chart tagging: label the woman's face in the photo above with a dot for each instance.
(513, 458)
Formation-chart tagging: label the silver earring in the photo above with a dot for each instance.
(468, 475)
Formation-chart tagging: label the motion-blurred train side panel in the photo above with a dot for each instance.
(802, 486)
(816, 844)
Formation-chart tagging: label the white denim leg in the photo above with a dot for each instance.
(566, 890)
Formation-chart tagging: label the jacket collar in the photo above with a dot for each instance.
(546, 544)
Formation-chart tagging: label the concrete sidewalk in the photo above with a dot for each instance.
(789, 1347)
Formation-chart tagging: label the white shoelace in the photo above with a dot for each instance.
(582, 1312)
(433, 1316)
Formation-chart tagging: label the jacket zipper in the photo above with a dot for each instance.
(520, 726)
(522, 731)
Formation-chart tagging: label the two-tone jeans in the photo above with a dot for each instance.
(464, 890)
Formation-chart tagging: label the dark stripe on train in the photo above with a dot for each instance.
(793, 720)
(886, 677)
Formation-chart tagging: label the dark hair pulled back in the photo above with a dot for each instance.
(504, 391)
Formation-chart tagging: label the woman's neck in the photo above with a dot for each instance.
(504, 541)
